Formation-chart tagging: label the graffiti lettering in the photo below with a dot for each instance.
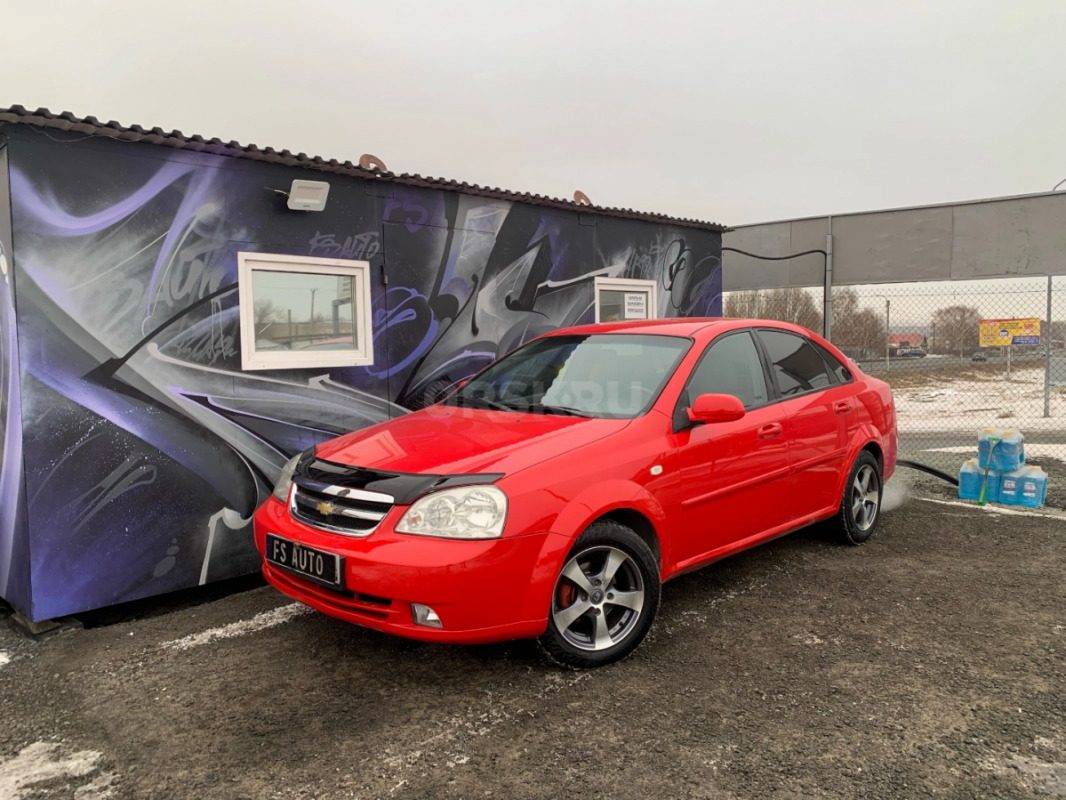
(361, 246)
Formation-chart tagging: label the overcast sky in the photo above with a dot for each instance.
(735, 112)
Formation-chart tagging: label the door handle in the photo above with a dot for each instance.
(771, 430)
(842, 406)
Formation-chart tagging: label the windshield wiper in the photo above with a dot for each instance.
(484, 401)
(540, 408)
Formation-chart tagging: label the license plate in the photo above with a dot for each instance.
(307, 562)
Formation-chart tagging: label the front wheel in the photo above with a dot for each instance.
(605, 598)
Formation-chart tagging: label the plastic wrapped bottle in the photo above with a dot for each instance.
(1010, 488)
(984, 446)
(970, 477)
(1010, 452)
(1034, 487)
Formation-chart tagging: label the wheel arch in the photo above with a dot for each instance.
(641, 526)
(867, 439)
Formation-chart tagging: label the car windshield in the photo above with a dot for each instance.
(612, 376)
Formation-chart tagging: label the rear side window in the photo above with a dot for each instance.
(796, 364)
(731, 366)
(843, 374)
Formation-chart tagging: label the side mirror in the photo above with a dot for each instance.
(715, 408)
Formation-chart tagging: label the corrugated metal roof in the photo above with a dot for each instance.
(91, 126)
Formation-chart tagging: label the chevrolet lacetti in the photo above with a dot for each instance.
(551, 495)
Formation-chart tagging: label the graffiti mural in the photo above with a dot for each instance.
(145, 447)
(14, 552)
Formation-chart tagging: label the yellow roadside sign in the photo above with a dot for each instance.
(1001, 332)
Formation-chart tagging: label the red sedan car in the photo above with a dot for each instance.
(553, 493)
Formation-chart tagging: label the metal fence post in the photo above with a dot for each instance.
(1047, 355)
(888, 333)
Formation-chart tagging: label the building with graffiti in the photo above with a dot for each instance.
(172, 331)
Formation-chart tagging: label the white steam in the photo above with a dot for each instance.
(893, 496)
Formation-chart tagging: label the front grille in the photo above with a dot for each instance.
(352, 512)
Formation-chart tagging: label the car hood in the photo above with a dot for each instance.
(454, 441)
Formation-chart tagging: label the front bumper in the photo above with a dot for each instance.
(483, 591)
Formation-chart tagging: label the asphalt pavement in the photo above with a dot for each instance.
(928, 663)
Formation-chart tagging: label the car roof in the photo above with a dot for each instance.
(676, 326)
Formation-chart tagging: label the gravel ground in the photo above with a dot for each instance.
(929, 663)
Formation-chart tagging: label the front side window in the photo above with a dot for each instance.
(731, 366)
(613, 376)
(299, 312)
(797, 366)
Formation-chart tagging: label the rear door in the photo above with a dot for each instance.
(817, 409)
(734, 475)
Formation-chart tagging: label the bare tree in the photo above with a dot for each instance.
(854, 327)
(786, 305)
(958, 327)
(265, 312)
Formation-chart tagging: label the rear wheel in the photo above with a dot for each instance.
(605, 598)
(860, 508)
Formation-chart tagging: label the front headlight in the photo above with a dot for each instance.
(471, 512)
(281, 488)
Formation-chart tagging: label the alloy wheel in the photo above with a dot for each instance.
(865, 498)
(598, 598)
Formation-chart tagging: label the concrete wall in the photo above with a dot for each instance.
(146, 448)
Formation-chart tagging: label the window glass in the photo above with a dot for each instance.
(604, 375)
(796, 364)
(622, 305)
(731, 366)
(302, 311)
(842, 373)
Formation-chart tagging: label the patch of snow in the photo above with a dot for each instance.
(4, 658)
(994, 509)
(267, 619)
(99, 788)
(1044, 777)
(964, 404)
(42, 761)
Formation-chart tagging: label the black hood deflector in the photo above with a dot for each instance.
(405, 487)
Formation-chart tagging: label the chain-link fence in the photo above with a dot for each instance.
(924, 339)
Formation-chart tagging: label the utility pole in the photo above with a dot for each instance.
(313, 313)
(827, 297)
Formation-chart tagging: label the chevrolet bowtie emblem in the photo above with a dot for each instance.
(325, 508)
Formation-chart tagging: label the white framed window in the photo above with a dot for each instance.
(621, 299)
(300, 312)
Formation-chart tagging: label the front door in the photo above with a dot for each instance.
(733, 474)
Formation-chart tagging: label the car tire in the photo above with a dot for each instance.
(587, 625)
(860, 508)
